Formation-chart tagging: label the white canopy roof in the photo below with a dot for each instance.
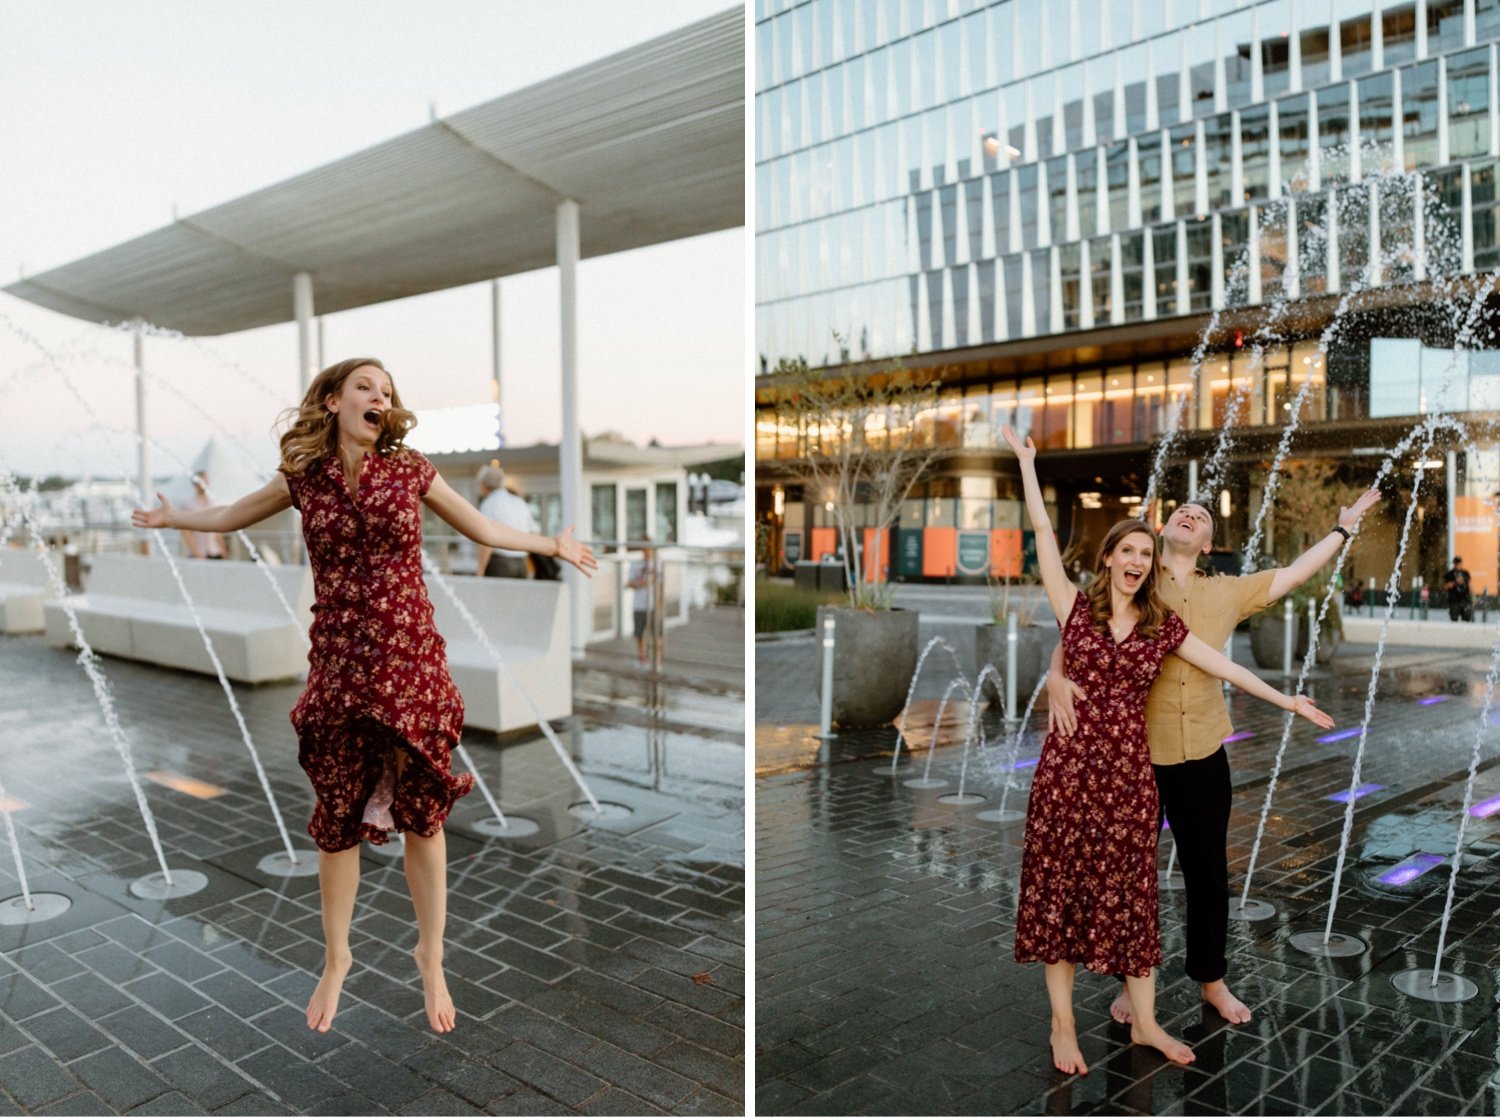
(649, 142)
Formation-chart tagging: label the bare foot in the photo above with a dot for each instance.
(1120, 1009)
(1154, 1036)
(435, 998)
(1230, 1007)
(324, 1002)
(1066, 1055)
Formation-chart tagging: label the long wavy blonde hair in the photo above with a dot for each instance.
(1148, 602)
(312, 432)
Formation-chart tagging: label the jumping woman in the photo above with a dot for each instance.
(1088, 862)
(380, 717)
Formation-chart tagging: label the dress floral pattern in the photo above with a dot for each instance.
(377, 683)
(1088, 866)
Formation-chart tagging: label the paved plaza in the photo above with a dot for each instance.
(597, 965)
(885, 918)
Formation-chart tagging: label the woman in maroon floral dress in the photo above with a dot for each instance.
(380, 717)
(1088, 865)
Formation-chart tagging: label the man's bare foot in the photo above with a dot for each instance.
(435, 998)
(1067, 1057)
(1120, 1009)
(324, 1002)
(1154, 1036)
(1230, 1007)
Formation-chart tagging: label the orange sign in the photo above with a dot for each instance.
(1476, 539)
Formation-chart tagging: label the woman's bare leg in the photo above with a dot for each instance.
(427, 877)
(338, 882)
(1143, 1026)
(1066, 1055)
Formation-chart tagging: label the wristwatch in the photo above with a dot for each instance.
(1341, 530)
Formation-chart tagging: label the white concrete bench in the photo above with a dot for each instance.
(133, 608)
(24, 587)
(527, 622)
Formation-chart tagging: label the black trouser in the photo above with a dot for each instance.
(1196, 797)
(1460, 609)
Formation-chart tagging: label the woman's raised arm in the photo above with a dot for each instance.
(463, 517)
(250, 509)
(1060, 588)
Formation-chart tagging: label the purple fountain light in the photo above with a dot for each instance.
(1339, 735)
(1485, 808)
(1241, 736)
(1410, 869)
(1432, 700)
(1363, 790)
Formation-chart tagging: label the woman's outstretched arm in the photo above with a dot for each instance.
(1055, 580)
(1215, 663)
(252, 508)
(469, 521)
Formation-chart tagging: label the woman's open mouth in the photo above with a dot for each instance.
(372, 417)
(1132, 578)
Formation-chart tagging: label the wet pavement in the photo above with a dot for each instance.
(597, 965)
(885, 918)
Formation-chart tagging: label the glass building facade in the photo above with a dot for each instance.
(949, 182)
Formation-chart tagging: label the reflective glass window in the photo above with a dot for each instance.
(1315, 61)
(1114, 423)
(1312, 243)
(1354, 232)
(1101, 259)
(1486, 203)
(1150, 419)
(976, 50)
(1057, 415)
(1218, 153)
(1274, 28)
(1419, 114)
(1469, 103)
(1069, 258)
(1088, 38)
(1200, 56)
(1088, 411)
(1135, 72)
(986, 297)
(1132, 272)
(1024, 180)
(1072, 89)
(1200, 264)
(1166, 63)
(1000, 209)
(1086, 171)
(1031, 396)
(1041, 284)
(974, 216)
(1104, 99)
(1042, 91)
(1255, 151)
(1184, 169)
(1291, 124)
(1398, 34)
(924, 47)
(1377, 118)
(1120, 26)
(1271, 231)
(1014, 295)
(901, 68)
(1057, 190)
(1333, 133)
(948, 200)
(1164, 257)
(950, 70)
(1182, 385)
(1235, 43)
(1486, 20)
(1442, 221)
(1117, 172)
(1234, 229)
(1148, 168)
(1355, 36)
(1445, 25)
(959, 278)
(1397, 244)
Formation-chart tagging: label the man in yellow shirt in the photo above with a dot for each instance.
(1187, 722)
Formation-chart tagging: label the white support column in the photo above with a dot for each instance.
(495, 362)
(1216, 263)
(302, 309)
(1422, 35)
(1450, 479)
(1236, 161)
(1148, 276)
(1291, 278)
(570, 450)
(1466, 222)
(1182, 268)
(1275, 172)
(322, 360)
(143, 456)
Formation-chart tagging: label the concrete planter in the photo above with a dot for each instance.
(874, 656)
(1032, 654)
(1267, 634)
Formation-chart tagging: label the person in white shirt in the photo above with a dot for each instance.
(643, 581)
(498, 503)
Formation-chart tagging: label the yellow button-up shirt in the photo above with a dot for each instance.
(1186, 718)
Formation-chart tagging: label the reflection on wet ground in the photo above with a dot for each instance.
(885, 922)
(597, 966)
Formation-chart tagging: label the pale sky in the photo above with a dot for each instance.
(112, 113)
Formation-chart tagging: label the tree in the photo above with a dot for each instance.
(867, 435)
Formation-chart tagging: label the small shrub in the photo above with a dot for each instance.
(780, 608)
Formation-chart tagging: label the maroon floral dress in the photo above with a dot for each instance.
(1088, 866)
(377, 681)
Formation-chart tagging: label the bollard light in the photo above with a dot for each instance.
(1288, 627)
(1312, 632)
(1012, 641)
(825, 714)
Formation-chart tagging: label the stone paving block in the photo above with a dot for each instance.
(171, 1103)
(546, 1073)
(254, 1105)
(169, 997)
(438, 1103)
(81, 1102)
(118, 1078)
(33, 1078)
(477, 1083)
(202, 1077)
(375, 1075)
